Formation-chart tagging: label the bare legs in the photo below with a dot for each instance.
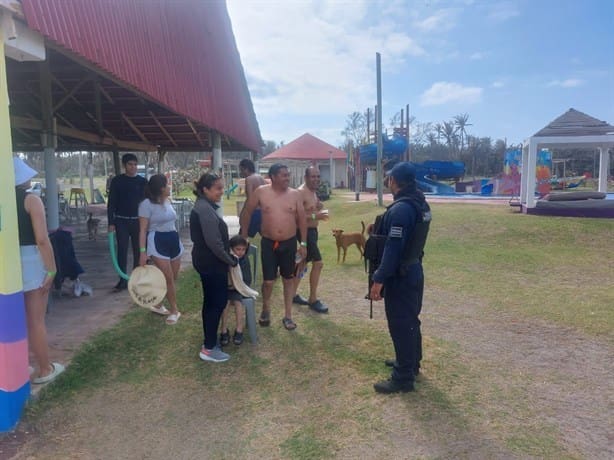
(240, 313)
(314, 279)
(267, 290)
(288, 284)
(170, 268)
(36, 306)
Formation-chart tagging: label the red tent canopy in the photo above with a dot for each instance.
(307, 148)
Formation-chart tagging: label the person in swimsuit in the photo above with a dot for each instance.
(282, 212)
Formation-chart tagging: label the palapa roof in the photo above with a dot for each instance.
(575, 123)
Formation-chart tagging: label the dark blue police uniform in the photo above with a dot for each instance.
(406, 223)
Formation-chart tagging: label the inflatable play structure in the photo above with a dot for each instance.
(428, 173)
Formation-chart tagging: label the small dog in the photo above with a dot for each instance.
(344, 240)
(92, 227)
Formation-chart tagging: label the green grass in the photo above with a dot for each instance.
(312, 388)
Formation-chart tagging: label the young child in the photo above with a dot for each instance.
(238, 247)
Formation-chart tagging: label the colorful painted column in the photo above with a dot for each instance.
(14, 376)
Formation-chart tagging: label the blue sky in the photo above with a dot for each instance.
(513, 66)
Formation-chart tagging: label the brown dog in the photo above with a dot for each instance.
(344, 240)
(92, 227)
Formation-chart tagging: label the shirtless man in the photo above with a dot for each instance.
(247, 169)
(314, 214)
(282, 210)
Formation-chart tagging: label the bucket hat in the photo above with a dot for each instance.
(23, 172)
(147, 286)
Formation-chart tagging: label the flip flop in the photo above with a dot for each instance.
(319, 307)
(289, 324)
(161, 310)
(172, 319)
(265, 319)
(57, 369)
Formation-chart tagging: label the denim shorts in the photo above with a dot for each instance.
(33, 270)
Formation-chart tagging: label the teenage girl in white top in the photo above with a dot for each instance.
(158, 239)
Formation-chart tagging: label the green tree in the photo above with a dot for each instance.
(449, 134)
(461, 122)
(355, 131)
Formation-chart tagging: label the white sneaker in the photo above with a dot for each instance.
(215, 355)
(77, 288)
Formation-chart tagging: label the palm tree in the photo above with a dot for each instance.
(439, 130)
(449, 134)
(461, 122)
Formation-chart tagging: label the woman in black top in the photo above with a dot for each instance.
(38, 269)
(211, 259)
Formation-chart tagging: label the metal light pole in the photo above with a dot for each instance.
(380, 197)
(331, 167)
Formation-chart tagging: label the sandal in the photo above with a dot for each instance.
(56, 369)
(225, 338)
(161, 310)
(172, 319)
(289, 324)
(265, 319)
(237, 339)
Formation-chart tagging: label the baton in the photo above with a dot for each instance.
(113, 252)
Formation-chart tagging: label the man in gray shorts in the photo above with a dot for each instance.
(313, 215)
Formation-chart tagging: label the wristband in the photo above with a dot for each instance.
(304, 244)
(313, 216)
(141, 249)
(51, 274)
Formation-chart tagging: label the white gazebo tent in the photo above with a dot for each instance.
(573, 129)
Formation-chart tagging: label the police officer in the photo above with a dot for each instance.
(406, 224)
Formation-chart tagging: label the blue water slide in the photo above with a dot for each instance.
(393, 147)
(430, 186)
(442, 169)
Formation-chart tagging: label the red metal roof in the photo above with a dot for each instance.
(307, 147)
(179, 53)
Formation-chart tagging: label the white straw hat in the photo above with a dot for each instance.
(23, 173)
(147, 286)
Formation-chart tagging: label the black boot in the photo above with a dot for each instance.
(390, 362)
(393, 386)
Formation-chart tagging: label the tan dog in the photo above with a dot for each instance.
(344, 240)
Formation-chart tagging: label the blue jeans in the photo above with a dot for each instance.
(215, 298)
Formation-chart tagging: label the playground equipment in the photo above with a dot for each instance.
(427, 173)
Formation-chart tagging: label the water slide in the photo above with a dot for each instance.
(430, 186)
(427, 173)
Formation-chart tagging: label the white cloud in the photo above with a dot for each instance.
(311, 58)
(444, 92)
(569, 83)
(444, 19)
(497, 84)
(502, 11)
(477, 56)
